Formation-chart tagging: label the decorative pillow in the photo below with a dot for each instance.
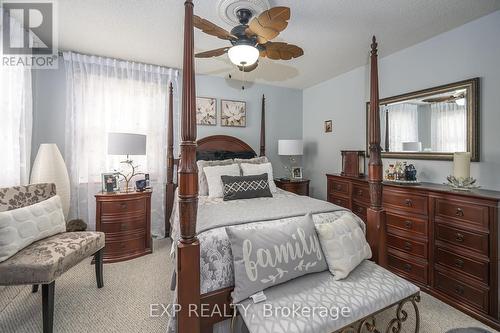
(256, 160)
(344, 245)
(258, 169)
(245, 187)
(273, 254)
(214, 173)
(202, 179)
(23, 226)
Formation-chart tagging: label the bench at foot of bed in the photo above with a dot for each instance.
(317, 303)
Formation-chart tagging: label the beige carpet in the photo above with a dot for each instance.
(130, 287)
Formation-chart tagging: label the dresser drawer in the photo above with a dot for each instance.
(408, 224)
(127, 244)
(359, 210)
(408, 268)
(339, 201)
(466, 212)
(408, 202)
(410, 246)
(123, 207)
(474, 268)
(123, 225)
(462, 238)
(466, 292)
(338, 186)
(361, 193)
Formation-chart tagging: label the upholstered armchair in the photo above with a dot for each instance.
(45, 260)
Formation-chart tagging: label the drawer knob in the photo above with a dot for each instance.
(459, 237)
(360, 209)
(338, 187)
(123, 205)
(408, 202)
(123, 245)
(408, 224)
(407, 246)
(459, 263)
(359, 193)
(459, 212)
(407, 267)
(459, 289)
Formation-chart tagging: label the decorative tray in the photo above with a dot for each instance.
(402, 182)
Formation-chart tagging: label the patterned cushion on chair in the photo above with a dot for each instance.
(47, 259)
(21, 196)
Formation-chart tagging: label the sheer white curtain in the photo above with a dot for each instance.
(448, 127)
(107, 95)
(403, 125)
(16, 117)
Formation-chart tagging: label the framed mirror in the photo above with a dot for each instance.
(430, 124)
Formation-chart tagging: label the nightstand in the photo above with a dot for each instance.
(300, 187)
(125, 218)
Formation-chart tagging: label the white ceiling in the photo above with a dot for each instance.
(335, 34)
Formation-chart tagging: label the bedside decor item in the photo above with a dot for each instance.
(206, 111)
(110, 182)
(296, 173)
(233, 113)
(49, 167)
(328, 126)
(401, 173)
(461, 179)
(125, 219)
(140, 185)
(353, 163)
(127, 144)
(290, 148)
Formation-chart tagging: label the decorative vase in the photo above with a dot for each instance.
(49, 167)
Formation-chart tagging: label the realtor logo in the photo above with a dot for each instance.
(28, 34)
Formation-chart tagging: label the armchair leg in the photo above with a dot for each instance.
(98, 268)
(48, 306)
(34, 289)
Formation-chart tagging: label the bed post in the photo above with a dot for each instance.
(169, 196)
(188, 247)
(376, 214)
(263, 128)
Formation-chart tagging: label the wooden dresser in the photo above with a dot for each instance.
(125, 218)
(444, 241)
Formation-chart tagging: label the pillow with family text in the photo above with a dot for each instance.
(273, 254)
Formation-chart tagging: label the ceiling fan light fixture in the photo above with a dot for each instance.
(243, 55)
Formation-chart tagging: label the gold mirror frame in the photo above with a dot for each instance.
(472, 86)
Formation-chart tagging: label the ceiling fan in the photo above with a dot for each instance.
(251, 40)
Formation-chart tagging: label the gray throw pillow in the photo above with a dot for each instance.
(273, 254)
(245, 187)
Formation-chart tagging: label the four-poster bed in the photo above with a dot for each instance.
(189, 293)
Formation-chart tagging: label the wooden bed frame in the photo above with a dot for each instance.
(188, 247)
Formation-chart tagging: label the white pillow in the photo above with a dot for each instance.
(250, 169)
(202, 179)
(344, 245)
(214, 173)
(24, 226)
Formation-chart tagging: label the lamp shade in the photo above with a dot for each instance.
(49, 167)
(290, 147)
(126, 144)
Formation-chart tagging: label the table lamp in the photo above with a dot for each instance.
(127, 144)
(290, 148)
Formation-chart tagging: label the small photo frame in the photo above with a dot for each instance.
(206, 111)
(328, 126)
(233, 113)
(296, 173)
(110, 182)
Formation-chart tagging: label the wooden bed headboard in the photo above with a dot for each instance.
(223, 142)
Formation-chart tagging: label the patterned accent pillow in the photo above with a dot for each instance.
(344, 245)
(202, 178)
(273, 254)
(245, 187)
(21, 196)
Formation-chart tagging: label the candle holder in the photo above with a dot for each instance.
(461, 183)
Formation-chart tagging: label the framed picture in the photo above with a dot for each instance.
(296, 173)
(328, 126)
(206, 111)
(233, 113)
(110, 182)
